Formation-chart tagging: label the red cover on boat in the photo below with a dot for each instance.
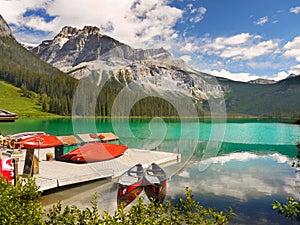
(95, 152)
(43, 141)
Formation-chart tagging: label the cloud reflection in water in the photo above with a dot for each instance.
(241, 175)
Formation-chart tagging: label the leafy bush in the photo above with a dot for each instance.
(188, 211)
(291, 209)
(19, 204)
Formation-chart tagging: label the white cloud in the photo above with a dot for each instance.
(199, 16)
(295, 69)
(39, 23)
(278, 76)
(186, 58)
(240, 47)
(189, 47)
(14, 9)
(292, 49)
(130, 21)
(262, 65)
(295, 10)
(261, 21)
(245, 77)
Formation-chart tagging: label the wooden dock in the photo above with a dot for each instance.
(53, 174)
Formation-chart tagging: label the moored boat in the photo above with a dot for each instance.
(20, 136)
(6, 116)
(130, 185)
(14, 140)
(155, 183)
(95, 152)
(40, 141)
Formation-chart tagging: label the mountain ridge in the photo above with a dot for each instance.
(161, 74)
(72, 46)
(5, 30)
(262, 81)
(254, 98)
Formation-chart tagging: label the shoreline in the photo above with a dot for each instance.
(204, 119)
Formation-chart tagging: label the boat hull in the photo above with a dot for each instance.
(155, 183)
(95, 152)
(41, 141)
(130, 185)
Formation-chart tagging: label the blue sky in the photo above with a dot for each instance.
(238, 39)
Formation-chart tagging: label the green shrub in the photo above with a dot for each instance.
(291, 209)
(19, 204)
(188, 211)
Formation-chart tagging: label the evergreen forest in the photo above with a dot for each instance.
(55, 90)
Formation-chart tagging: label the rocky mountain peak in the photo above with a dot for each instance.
(67, 31)
(292, 75)
(91, 29)
(72, 47)
(262, 81)
(4, 28)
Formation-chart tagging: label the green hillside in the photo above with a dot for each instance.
(12, 99)
(53, 91)
(270, 100)
(22, 69)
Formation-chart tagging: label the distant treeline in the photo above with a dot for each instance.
(55, 90)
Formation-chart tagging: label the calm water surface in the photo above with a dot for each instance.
(251, 165)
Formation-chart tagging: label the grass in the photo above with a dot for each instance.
(11, 99)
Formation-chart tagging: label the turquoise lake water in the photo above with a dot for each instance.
(245, 164)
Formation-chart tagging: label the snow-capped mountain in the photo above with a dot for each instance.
(79, 51)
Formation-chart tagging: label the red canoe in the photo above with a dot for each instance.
(95, 152)
(42, 141)
(130, 185)
(155, 181)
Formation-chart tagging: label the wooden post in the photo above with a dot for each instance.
(36, 166)
(28, 165)
(15, 162)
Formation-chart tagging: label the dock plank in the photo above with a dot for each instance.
(54, 174)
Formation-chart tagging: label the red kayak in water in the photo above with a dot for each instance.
(95, 152)
(41, 141)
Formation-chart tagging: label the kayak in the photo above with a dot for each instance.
(95, 152)
(41, 141)
(130, 185)
(155, 183)
(14, 140)
(23, 135)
